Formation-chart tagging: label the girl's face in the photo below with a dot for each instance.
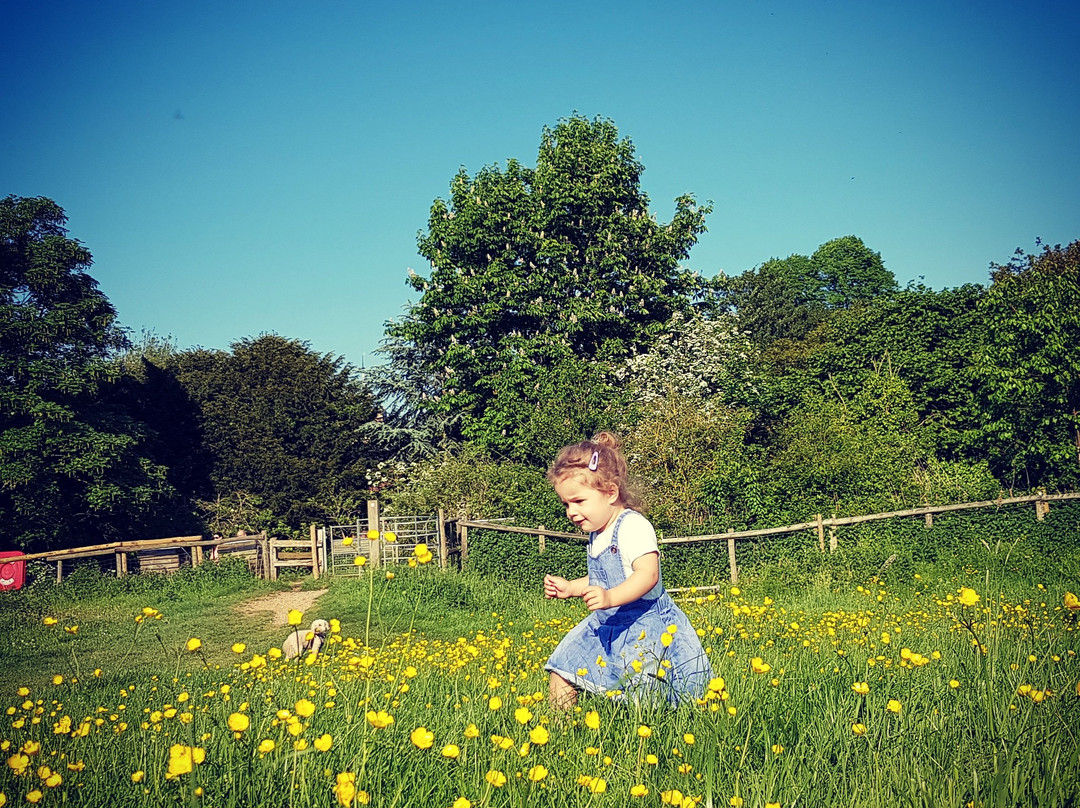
(591, 509)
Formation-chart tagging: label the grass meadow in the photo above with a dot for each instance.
(937, 687)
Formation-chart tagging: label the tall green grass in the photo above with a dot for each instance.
(984, 699)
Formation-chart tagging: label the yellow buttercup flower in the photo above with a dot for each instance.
(862, 688)
(472, 731)
(495, 778)
(537, 773)
(182, 759)
(451, 751)
(1072, 602)
(592, 719)
(494, 703)
(359, 560)
(238, 722)
(539, 735)
(759, 665)
(461, 802)
(968, 597)
(858, 729)
(194, 644)
(523, 715)
(239, 648)
(644, 731)
(893, 706)
(304, 708)
(345, 788)
(137, 777)
(50, 621)
(422, 738)
(639, 790)
(324, 742)
(380, 719)
(18, 763)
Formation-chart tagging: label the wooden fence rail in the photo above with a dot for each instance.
(252, 549)
(818, 525)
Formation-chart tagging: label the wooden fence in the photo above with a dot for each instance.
(162, 555)
(819, 525)
(265, 556)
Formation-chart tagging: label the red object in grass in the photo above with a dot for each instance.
(12, 573)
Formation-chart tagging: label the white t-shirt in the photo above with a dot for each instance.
(636, 538)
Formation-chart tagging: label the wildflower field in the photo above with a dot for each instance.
(951, 689)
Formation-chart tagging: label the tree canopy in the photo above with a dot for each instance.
(1030, 367)
(533, 267)
(280, 422)
(73, 462)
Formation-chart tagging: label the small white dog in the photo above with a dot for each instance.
(303, 642)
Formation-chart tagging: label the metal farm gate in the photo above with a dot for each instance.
(398, 536)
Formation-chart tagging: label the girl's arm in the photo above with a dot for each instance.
(646, 572)
(556, 587)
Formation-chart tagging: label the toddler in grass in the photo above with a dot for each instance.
(635, 643)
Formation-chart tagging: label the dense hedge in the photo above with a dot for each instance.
(1009, 540)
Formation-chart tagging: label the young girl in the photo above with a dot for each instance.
(636, 643)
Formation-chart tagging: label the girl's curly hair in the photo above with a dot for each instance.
(600, 464)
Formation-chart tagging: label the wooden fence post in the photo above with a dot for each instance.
(731, 559)
(464, 532)
(373, 524)
(821, 532)
(314, 552)
(929, 519)
(832, 536)
(541, 542)
(442, 539)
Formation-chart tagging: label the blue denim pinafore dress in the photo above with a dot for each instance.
(621, 652)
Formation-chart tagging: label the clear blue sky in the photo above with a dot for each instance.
(247, 167)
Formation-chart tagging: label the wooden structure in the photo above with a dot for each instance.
(335, 551)
(821, 526)
(294, 553)
(161, 555)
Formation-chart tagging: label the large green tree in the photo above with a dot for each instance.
(781, 299)
(926, 337)
(73, 462)
(849, 271)
(1030, 368)
(531, 267)
(280, 423)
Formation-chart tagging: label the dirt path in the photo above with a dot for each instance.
(279, 604)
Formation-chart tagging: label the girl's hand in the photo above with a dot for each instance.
(596, 597)
(556, 587)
